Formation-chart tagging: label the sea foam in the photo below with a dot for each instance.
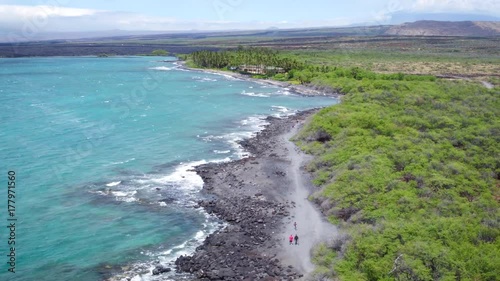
(162, 68)
(251, 94)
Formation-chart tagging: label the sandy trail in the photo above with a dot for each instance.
(260, 197)
(312, 227)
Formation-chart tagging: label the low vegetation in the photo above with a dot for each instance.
(408, 167)
(460, 61)
(243, 56)
(159, 53)
(156, 53)
(297, 72)
(410, 171)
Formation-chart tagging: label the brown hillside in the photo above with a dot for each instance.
(446, 28)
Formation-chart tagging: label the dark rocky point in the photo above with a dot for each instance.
(247, 194)
(159, 269)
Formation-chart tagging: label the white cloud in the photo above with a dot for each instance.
(42, 11)
(391, 7)
(28, 22)
(466, 6)
(36, 18)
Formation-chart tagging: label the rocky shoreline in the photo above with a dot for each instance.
(250, 196)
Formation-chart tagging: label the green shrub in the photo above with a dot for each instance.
(411, 170)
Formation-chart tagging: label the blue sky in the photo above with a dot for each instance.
(99, 15)
(212, 10)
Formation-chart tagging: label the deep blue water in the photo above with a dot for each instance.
(102, 149)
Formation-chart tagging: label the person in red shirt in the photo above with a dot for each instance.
(291, 239)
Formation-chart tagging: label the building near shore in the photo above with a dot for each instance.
(260, 69)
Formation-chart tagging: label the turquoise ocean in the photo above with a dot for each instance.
(103, 151)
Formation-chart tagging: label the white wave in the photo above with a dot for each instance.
(183, 182)
(227, 159)
(252, 125)
(249, 127)
(203, 79)
(120, 162)
(239, 151)
(100, 192)
(255, 123)
(143, 271)
(222, 151)
(114, 183)
(284, 92)
(120, 191)
(251, 94)
(227, 76)
(181, 246)
(200, 235)
(210, 138)
(137, 278)
(125, 196)
(163, 68)
(280, 108)
(128, 160)
(282, 111)
(184, 175)
(122, 194)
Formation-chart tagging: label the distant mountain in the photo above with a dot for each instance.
(447, 28)
(418, 28)
(15, 37)
(401, 17)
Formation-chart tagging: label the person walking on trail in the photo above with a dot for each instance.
(296, 239)
(295, 225)
(291, 239)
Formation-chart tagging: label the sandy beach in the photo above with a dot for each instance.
(260, 198)
(305, 90)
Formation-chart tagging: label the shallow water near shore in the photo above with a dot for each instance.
(103, 149)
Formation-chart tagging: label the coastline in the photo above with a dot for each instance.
(259, 198)
(251, 211)
(296, 89)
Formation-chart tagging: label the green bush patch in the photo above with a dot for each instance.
(410, 169)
